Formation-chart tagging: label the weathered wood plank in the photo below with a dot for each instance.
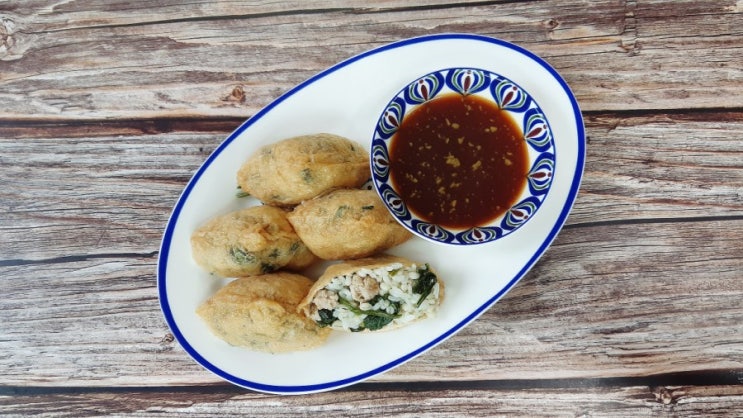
(76, 13)
(94, 195)
(593, 307)
(87, 320)
(207, 60)
(617, 300)
(661, 166)
(78, 193)
(636, 401)
(108, 108)
(64, 15)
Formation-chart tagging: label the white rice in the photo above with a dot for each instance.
(396, 283)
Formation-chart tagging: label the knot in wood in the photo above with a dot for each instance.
(167, 339)
(663, 395)
(237, 95)
(7, 40)
(552, 24)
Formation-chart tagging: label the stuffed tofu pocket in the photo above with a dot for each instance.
(302, 167)
(347, 224)
(248, 242)
(260, 312)
(371, 294)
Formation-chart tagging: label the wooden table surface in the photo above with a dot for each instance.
(108, 107)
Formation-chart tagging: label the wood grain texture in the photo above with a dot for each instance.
(200, 60)
(108, 108)
(687, 401)
(68, 196)
(96, 321)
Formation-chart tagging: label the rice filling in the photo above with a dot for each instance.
(374, 298)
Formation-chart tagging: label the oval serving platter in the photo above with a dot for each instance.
(347, 99)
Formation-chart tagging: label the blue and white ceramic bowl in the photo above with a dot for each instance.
(509, 97)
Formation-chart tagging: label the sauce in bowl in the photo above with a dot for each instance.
(458, 161)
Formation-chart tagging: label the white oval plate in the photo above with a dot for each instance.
(347, 100)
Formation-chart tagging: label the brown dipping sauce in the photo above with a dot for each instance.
(458, 161)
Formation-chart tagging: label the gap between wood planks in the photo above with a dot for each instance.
(75, 258)
(654, 382)
(654, 221)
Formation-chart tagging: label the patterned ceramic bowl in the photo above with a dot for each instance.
(525, 114)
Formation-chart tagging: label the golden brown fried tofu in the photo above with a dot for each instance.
(299, 168)
(260, 312)
(346, 224)
(251, 241)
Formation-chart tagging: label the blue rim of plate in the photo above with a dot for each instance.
(511, 98)
(299, 389)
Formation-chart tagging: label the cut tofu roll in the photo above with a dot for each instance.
(370, 294)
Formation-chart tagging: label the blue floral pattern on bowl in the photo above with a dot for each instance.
(511, 98)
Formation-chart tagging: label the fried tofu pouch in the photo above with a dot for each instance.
(260, 313)
(371, 294)
(347, 224)
(250, 241)
(295, 169)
